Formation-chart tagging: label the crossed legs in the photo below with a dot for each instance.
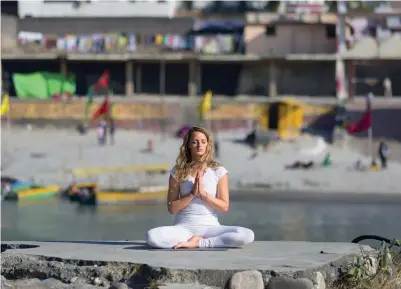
(201, 236)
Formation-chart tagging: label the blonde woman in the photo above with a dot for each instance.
(198, 189)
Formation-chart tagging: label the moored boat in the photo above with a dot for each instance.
(33, 193)
(86, 194)
(144, 195)
(134, 192)
(13, 189)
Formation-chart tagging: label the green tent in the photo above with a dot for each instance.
(43, 85)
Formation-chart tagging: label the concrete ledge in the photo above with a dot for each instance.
(133, 262)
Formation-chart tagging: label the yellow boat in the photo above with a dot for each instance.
(149, 169)
(143, 196)
(88, 194)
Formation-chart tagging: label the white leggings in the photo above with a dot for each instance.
(213, 236)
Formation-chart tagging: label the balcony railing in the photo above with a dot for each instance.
(131, 42)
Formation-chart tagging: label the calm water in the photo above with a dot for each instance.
(273, 220)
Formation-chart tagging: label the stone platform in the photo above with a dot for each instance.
(133, 262)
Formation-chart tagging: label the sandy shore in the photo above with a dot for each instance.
(43, 154)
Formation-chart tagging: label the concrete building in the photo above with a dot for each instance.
(286, 54)
(91, 9)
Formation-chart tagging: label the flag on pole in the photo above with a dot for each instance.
(365, 122)
(103, 82)
(205, 105)
(103, 109)
(5, 104)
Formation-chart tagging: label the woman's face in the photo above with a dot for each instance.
(197, 144)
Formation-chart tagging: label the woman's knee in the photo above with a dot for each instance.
(153, 237)
(247, 235)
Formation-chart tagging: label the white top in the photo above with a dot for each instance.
(198, 212)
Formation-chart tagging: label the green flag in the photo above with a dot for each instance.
(43, 85)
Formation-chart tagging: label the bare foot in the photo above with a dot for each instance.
(191, 243)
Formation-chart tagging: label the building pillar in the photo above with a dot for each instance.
(162, 86)
(198, 77)
(192, 83)
(63, 66)
(351, 72)
(341, 78)
(272, 79)
(138, 80)
(129, 79)
(1, 77)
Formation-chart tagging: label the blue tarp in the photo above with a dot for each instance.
(220, 25)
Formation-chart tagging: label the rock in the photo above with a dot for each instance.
(119, 286)
(97, 281)
(29, 284)
(372, 266)
(52, 283)
(5, 284)
(79, 281)
(252, 279)
(266, 281)
(105, 282)
(318, 281)
(285, 282)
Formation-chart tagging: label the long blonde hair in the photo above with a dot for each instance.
(184, 163)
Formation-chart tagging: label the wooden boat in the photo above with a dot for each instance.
(149, 195)
(88, 194)
(73, 191)
(148, 169)
(33, 193)
(13, 189)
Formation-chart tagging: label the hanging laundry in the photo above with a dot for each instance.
(122, 41)
(159, 39)
(61, 44)
(132, 41)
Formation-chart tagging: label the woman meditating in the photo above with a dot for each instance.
(198, 187)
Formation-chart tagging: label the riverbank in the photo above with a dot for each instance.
(46, 156)
(272, 264)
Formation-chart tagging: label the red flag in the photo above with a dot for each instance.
(103, 109)
(361, 125)
(103, 81)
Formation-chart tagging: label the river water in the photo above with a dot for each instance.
(306, 220)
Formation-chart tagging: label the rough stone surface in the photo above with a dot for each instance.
(184, 286)
(318, 280)
(5, 284)
(50, 283)
(372, 266)
(119, 286)
(284, 282)
(29, 284)
(247, 280)
(118, 261)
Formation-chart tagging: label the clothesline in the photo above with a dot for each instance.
(130, 42)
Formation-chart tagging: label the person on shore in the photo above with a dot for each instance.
(373, 166)
(112, 130)
(383, 154)
(198, 187)
(102, 132)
